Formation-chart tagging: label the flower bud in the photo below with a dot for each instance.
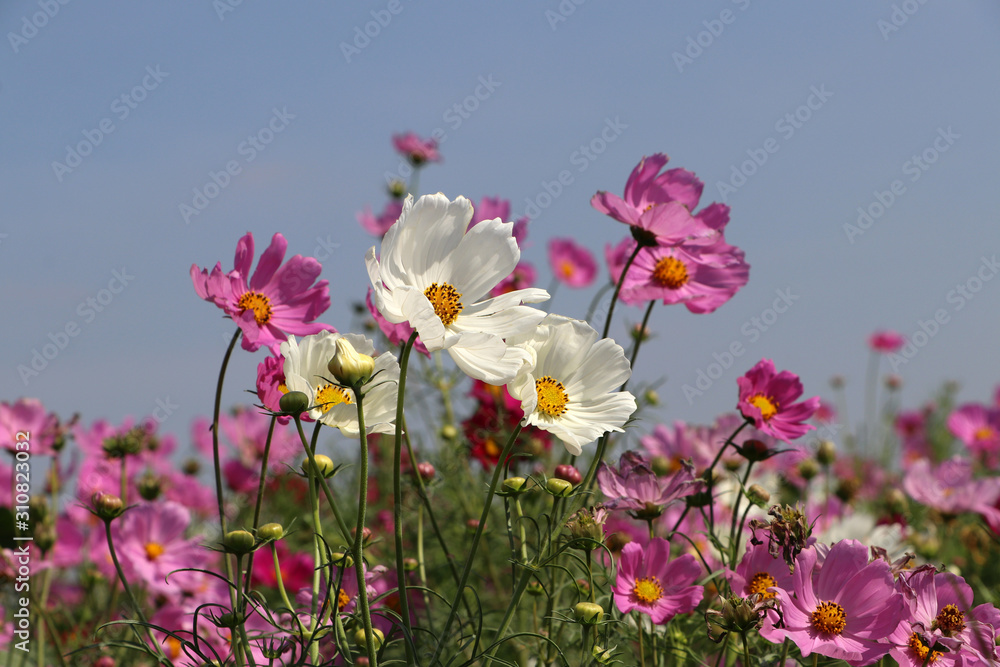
(351, 368)
(569, 473)
(449, 432)
(426, 471)
(535, 588)
(366, 535)
(271, 531)
(360, 638)
(293, 403)
(324, 464)
(559, 488)
(755, 450)
(808, 469)
(588, 613)
(342, 560)
(239, 542)
(397, 189)
(513, 486)
(758, 495)
(652, 397)
(107, 506)
(472, 525)
(410, 564)
(228, 620)
(105, 661)
(896, 500)
(826, 453)
(150, 486)
(191, 467)
(604, 656)
(45, 536)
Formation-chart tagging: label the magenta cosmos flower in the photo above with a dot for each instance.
(942, 616)
(950, 488)
(886, 342)
(378, 225)
(768, 399)
(650, 583)
(701, 277)
(846, 609)
(276, 301)
(636, 488)
(571, 263)
(416, 150)
(978, 427)
(658, 205)
(27, 421)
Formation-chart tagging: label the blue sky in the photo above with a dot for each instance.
(165, 94)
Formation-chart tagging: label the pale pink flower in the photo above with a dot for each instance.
(416, 150)
(978, 427)
(571, 263)
(378, 225)
(26, 421)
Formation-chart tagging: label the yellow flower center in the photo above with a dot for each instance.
(829, 618)
(670, 272)
(920, 648)
(648, 589)
(768, 407)
(173, 646)
(445, 300)
(950, 620)
(154, 550)
(983, 433)
(491, 448)
(760, 583)
(552, 398)
(342, 600)
(327, 396)
(259, 304)
(566, 268)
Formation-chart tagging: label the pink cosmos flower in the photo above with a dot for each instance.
(571, 263)
(658, 205)
(701, 277)
(378, 225)
(522, 277)
(150, 543)
(636, 488)
(845, 609)
(497, 207)
(416, 150)
(28, 417)
(271, 382)
(650, 583)
(941, 615)
(396, 333)
(951, 489)
(886, 341)
(978, 427)
(768, 399)
(682, 442)
(759, 572)
(243, 437)
(276, 301)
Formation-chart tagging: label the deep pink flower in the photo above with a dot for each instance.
(396, 333)
(978, 427)
(658, 205)
(378, 225)
(522, 277)
(650, 583)
(489, 208)
(941, 613)
(886, 341)
(28, 417)
(571, 263)
(759, 571)
(271, 382)
(416, 150)
(845, 609)
(701, 277)
(636, 488)
(768, 398)
(150, 543)
(276, 301)
(681, 442)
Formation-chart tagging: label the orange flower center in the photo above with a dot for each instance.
(342, 600)
(552, 398)
(327, 396)
(829, 618)
(566, 268)
(154, 550)
(760, 583)
(648, 589)
(983, 433)
(445, 300)
(491, 448)
(670, 272)
(950, 620)
(920, 649)
(768, 407)
(259, 304)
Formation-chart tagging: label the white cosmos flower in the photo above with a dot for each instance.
(306, 370)
(571, 388)
(436, 274)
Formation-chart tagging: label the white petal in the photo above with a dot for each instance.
(486, 255)
(487, 358)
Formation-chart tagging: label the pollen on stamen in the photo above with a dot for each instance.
(446, 301)
(327, 396)
(768, 407)
(671, 273)
(259, 304)
(760, 583)
(950, 620)
(829, 617)
(552, 397)
(648, 590)
(154, 550)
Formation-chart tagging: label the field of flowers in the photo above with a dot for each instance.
(477, 506)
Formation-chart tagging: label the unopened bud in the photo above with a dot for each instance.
(535, 588)
(568, 473)
(360, 638)
(150, 486)
(758, 495)
(351, 368)
(397, 189)
(472, 525)
(559, 488)
(826, 453)
(808, 469)
(239, 541)
(271, 531)
(588, 613)
(426, 471)
(324, 465)
(515, 485)
(896, 500)
(652, 397)
(449, 432)
(342, 560)
(410, 564)
(293, 403)
(107, 506)
(228, 620)
(191, 467)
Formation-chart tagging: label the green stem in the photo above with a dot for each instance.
(311, 455)
(359, 564)
(638, 339)
(260, 498)
(746, 650)
(397, 498)
(216, 411)
(618, 288)
(508, 447)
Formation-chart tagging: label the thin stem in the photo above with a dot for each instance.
(260, 498)
(359, 564)
(508, 447)
(311, 455)
(217, 409)
(746, 650)
(639, 338)
(618, 288)
(397, 497)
